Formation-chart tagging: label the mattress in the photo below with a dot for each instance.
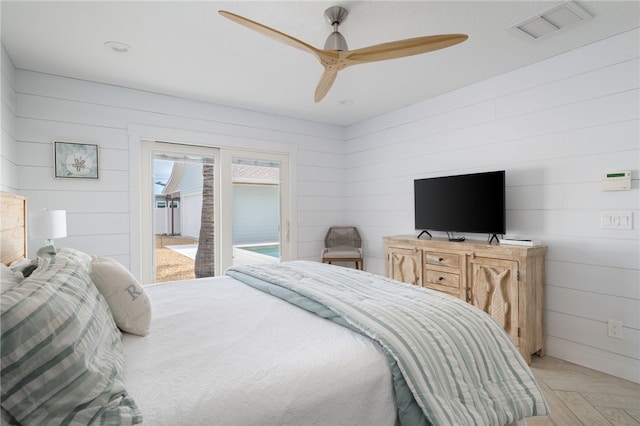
(220, 352)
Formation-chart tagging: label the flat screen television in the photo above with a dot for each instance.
(472, 203)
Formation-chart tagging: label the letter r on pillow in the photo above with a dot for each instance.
(133, 292)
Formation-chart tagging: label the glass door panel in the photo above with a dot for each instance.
(182, 213)
(257, 218)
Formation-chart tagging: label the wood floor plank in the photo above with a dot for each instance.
(579, 396)
(613, 401)
(549, 367)
(575, 383)
(618, 416)
(635, 413)
(560, 414)
(583, 410)
(540, 421)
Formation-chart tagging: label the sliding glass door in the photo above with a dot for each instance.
(206, 209)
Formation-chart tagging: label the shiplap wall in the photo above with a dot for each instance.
(9, 147)
(48, 108)
(555, 127)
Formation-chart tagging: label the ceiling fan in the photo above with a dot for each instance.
(335, 56)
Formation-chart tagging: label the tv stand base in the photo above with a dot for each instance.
(425, 232)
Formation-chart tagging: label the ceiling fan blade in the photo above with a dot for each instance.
(336, 60)
(402, 48)
(325, 83)
(271, 33)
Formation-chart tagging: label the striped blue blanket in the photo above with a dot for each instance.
(457, 365)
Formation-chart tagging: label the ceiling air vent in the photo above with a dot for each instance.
(551, 20)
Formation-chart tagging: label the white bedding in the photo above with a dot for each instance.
(220, 352)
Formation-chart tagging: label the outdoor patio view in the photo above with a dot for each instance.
(175, 258)
(177, 215)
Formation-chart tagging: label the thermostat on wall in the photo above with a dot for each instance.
(616, 181)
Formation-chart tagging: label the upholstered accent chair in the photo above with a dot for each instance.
(343, 244)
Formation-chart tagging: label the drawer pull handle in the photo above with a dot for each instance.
(440, 259)
(441, 278)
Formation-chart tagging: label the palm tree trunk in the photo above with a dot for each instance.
(205, 261)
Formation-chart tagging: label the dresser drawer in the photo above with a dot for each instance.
(442, 259)
(445, 290)
(440, 278)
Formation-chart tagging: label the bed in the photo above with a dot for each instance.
(296, 343)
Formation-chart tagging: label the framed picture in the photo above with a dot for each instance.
(76, 160)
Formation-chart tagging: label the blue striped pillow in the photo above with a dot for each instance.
(61, 353)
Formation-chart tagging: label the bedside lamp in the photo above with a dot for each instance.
(48, 225)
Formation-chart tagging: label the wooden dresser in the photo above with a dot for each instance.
(506, 281)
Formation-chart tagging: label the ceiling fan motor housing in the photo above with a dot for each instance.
(336, 41)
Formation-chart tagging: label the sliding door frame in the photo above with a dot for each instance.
(149, 150)
(227, 145)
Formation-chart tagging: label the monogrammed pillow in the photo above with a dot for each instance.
(127, 299)
(62, 359)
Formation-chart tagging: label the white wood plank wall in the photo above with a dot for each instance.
(9, 146)
(555, 127)
(43, 108)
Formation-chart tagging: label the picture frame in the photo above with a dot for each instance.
(75, 160)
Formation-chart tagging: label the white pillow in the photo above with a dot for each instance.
(24, 267)
(60, 343)
(127, 299)
(9, 279)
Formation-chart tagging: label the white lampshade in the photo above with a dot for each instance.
(48, 224)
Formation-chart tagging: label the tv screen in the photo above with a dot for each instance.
(464, 203)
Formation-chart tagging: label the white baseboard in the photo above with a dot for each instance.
(596, 359)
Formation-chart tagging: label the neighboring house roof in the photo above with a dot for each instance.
(187, 177)
(255, 174)
(174, 180)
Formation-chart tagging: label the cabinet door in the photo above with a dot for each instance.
(492, 285)
(404, 265)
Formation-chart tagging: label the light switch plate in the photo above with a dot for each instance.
(617, 220)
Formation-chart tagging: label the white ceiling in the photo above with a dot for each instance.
(186, 49)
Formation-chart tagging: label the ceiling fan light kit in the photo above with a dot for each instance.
(335, 56)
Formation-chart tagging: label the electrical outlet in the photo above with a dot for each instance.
(614, 328)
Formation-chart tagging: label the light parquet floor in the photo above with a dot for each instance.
(581, 396)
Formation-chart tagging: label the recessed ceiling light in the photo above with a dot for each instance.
(117, 46)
